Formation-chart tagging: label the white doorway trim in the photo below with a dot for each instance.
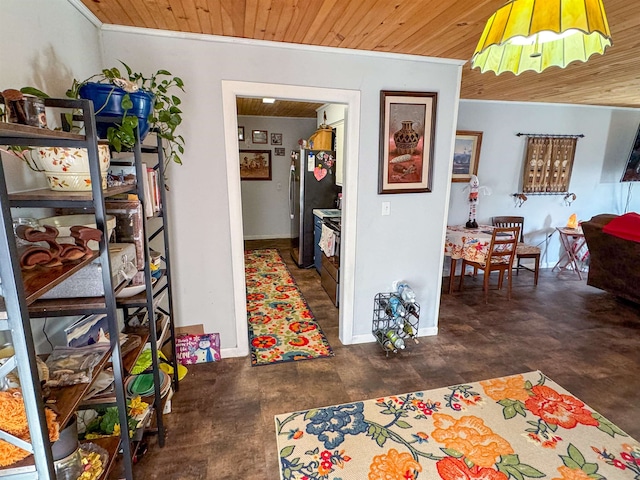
(351, 98)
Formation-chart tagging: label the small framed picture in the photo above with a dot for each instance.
(466, 155)
(276, 139)
(279, 152)
(241, 134)
(255, 164)
(259, 136)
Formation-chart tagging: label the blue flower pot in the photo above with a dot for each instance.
(107, 102)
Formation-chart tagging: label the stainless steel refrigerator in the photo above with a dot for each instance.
(312, 184)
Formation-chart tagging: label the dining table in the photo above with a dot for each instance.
(467, 244)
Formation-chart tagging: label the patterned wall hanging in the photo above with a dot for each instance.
(548, 163)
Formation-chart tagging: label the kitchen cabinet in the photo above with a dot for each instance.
(330, 277)
(317, 233)
(335, 115)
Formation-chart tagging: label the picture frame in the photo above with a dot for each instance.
(276, 139)
(631, 172)
(255, 164)
(279, 151)
(407, 132)
(259, 136)
(466, 155)
(241, 134)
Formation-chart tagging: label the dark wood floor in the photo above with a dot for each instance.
(222, 425)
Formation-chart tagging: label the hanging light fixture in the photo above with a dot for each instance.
(537, 34)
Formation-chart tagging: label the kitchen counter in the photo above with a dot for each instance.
(327, 212)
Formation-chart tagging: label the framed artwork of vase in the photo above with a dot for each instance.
(466, 155)
(255, 164)
(407, 131)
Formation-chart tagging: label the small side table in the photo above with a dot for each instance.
(572, 240)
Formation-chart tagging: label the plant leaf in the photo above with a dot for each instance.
(575, 455)
(286, 451)
(34, 91)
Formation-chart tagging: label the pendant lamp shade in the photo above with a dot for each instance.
(537, 34)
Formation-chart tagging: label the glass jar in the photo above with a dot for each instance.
(29, 222)
(69, 468)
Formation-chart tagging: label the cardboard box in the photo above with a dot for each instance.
(188, 330)
(197, 348)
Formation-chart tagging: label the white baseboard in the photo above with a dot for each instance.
(267, 237)
(369, 338)
(234, 352)
(366, 338)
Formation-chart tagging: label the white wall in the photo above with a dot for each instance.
(43, 45)
(599, 162)
(386, 248)
(265, 204)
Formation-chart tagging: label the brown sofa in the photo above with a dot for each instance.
(614, 261)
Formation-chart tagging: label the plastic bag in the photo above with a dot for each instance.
(71, 366)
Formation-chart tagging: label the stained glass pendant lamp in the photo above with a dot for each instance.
(537, 34)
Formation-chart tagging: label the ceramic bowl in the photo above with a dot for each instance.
(131, 290)
(64, 223)
(67, 168)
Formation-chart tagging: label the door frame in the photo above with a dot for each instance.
(351, 98)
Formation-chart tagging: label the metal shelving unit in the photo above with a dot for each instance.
(147, 302)
(21, 296)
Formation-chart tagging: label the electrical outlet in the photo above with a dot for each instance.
(386, 208)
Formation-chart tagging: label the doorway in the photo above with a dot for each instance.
(351, 98)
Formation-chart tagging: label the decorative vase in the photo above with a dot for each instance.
(107, 102)
(406, 138)
(67, 168)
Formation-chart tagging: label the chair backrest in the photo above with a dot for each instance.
(504, 242)
(510, 222)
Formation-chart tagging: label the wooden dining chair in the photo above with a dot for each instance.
(500, 256)
(524, 250)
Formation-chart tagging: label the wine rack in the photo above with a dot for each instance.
(395, 321)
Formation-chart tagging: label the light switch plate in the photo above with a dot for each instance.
(386, 208)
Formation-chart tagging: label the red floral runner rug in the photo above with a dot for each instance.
(519, 427)
(281, 325)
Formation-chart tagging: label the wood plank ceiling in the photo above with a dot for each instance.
(435, 28)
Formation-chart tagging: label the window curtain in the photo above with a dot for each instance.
(548, 164)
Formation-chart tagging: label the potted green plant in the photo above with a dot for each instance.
(134, 100)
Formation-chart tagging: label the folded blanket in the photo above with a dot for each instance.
(625, 226)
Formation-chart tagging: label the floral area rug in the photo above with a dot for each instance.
(281, 325)
(519, 427)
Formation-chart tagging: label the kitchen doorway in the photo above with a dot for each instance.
(350, 98)
(284, 209)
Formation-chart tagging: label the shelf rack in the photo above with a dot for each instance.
(148, 301)
(394, 318)
(19, 296)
